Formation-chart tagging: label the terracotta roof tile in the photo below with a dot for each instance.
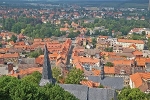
(122, 62)
(109, 70)
(89, 83)
(131, 41)
(27, 71)
(137, 78)
(138, 53)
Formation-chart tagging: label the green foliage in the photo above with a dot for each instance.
(13, 38)
(7, 24)
(109, 49)
(36, 53)
(0, 45)
(28, 89)
(56, 73)
(31, 27)
(143, 33)
(7, 84)
(17, 27)
(121, 25)
(73, 34)
(132, 94)
(136, 36)
(74, 76)
(101, 86)
(87, 33)
(94, 41)
(110, 64)
(34, 78)
(148, 43)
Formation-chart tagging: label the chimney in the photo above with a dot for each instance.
(135, 63)
(10, 67)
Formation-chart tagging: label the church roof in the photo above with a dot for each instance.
(86, 93)
(110, 82)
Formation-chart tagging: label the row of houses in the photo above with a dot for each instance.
(127, 58)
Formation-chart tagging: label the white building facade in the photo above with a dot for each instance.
(126, 43)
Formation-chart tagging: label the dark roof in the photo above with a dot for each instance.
(101, 94)
(147, 67)
(79, 91)
(91, 51)
(27, 61)
(86, 93)
(110, 82)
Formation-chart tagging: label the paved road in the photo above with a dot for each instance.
(69, 56)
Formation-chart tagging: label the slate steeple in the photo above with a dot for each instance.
(101, 64)
(47, 72)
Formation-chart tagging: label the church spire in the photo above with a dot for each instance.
(102, 68)
(47, 72)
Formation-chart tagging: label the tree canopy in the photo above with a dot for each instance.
(132, 94)
(74, 76)
(27, 88)
(110, 64)
(56, 73)
(36, 53)
(32, 27)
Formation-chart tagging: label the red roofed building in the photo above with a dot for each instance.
(126, 43)
(141, 81)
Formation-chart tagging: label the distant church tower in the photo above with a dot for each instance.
(47, 72)
(102, 69)
(149, 5)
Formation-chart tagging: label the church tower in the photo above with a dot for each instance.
(102, 69)
(47, 72)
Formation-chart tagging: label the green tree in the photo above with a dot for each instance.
(17, 27)
(132, 94)
(34, 78)
(143, 33)
(0, 45)
(94, 41)
(56, 73)
(87, 33)
(55, 92)
(36, 53)
(26, 91)
(22, 89)
(8, 24)
(110, 64)
(13, 38)
(148, 43)
(109, 49)
(7, 84)
(101, 86)
(74, 76)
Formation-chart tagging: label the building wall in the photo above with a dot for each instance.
(147, 32)
(14, 60)
(139, 46)
(131, 84)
